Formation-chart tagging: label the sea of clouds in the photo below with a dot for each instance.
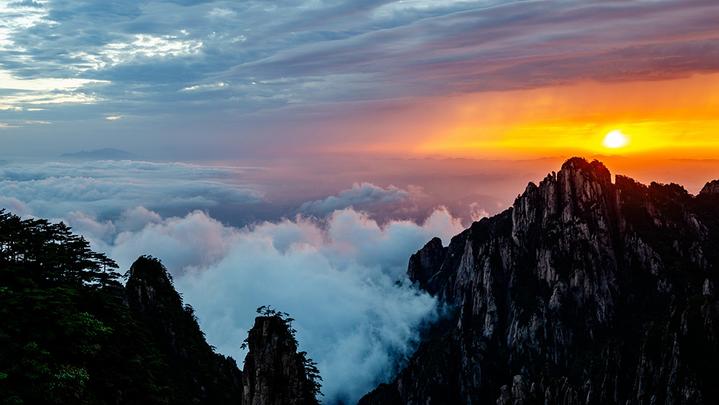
(333, 267)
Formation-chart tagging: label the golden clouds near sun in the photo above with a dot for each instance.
(615, 139)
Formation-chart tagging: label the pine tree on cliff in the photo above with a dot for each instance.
(275, 373)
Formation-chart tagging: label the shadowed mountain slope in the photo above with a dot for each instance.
(71, 333)
(585, 291)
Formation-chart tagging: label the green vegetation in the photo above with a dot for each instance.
(67, 335)
(312, 373)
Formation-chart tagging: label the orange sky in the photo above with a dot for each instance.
(662, 119)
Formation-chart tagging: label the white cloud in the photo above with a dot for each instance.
(361, 194)
(383, 203)
(106, 188)
(14, 205)
(45, 90)
(343, 279)
(140, 47)
(10, 82)
(390, 9)
(8, 107)
(206, 87)
(113, 117)
(220, 12)
(19, 16)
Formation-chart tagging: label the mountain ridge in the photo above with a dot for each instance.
(72, 333)
(584, 291)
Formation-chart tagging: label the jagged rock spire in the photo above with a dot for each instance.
(585, 291)
(274, 372)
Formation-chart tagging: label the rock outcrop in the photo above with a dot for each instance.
(585, 291)
(711, 188)
(274, 372)
(205, 376)
(71, 333)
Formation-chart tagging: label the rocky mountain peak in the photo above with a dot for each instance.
(424, 263)
(274, 372)
(206, 376)
(149, 286)
(584, 292)
(595, 169)
(711, 188)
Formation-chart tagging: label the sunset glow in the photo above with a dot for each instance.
(661, 119)
(615, 139)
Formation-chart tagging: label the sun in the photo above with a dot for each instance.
(615, 139)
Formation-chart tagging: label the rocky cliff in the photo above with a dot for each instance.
(71, 333)
(201, 375)
(585, 291)
(274, 372)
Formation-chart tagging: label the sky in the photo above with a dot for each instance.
(296, 153)
(480, 79)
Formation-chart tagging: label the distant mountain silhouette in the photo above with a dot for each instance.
(100, 154)
(586, 291)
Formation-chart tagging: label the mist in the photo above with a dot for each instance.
(338, 270)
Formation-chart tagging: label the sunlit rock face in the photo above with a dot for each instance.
(586, 291)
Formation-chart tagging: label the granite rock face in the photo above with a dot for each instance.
(274, 372)
(585, 291)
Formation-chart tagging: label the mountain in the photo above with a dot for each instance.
(585, 291)
(275, 373)
(100, 154)
(71, 333)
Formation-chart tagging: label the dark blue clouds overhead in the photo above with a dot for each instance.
(157, 64)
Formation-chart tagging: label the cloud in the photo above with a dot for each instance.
(14, 205)
(341, 275)
(7, 81)
(362, 196)
(45, 90)
(104, 189)
(317, 53)
(205, 87)
(140, 47)
(343, 279)
(19, 16)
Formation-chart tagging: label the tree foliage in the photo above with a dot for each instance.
(66, 335)
(312, 373)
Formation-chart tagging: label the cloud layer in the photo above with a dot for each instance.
(104, 189)
(343, 279)
(339, 273)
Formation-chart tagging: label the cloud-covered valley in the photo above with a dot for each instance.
(335, 268)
